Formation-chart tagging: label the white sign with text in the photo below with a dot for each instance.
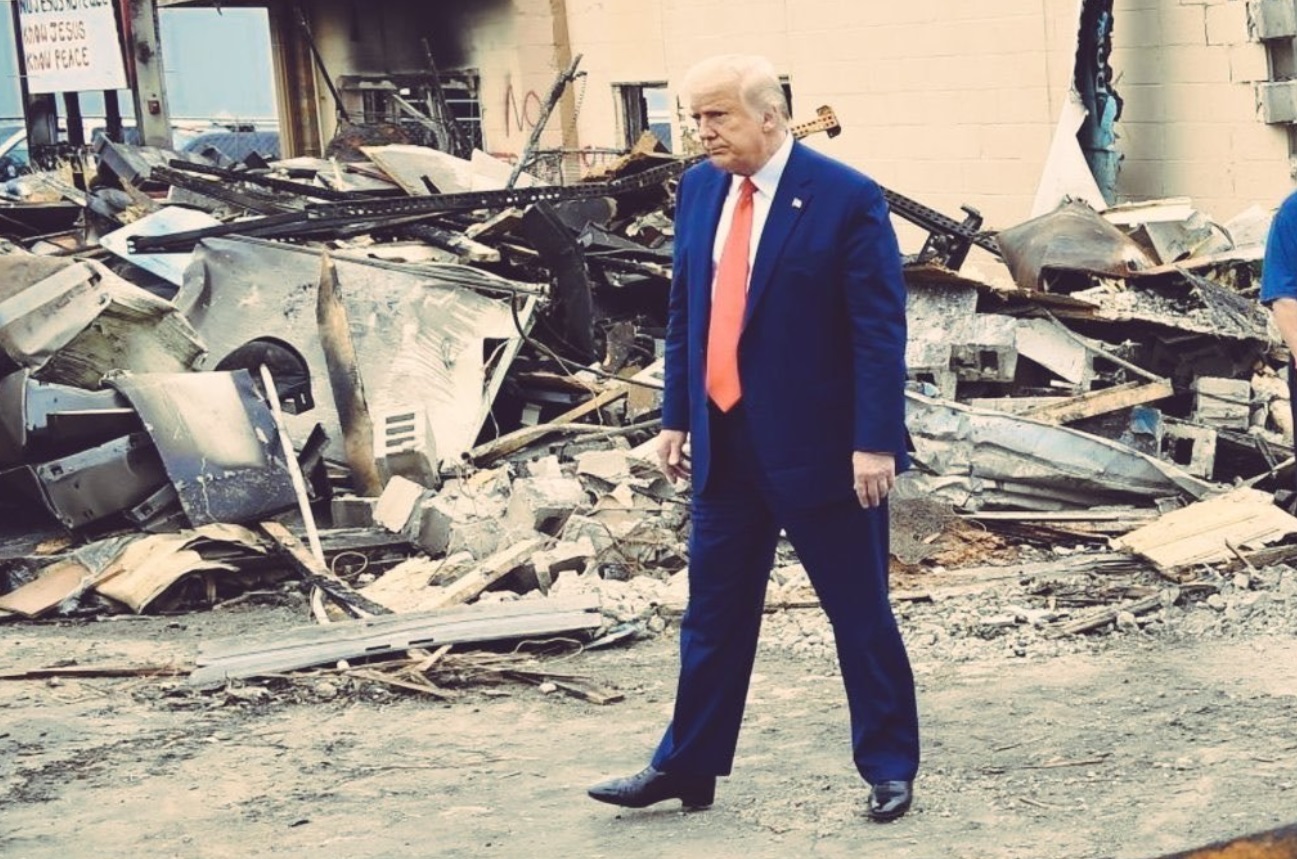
(70, 45)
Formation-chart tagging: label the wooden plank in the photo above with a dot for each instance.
(1015, 405)
(1102, 618)
(55, 584)
(356, 632)
(345, 383)
(1095, 562)
(399, 683)
(1203, 532)
(314, 573)
(1101, 402)
(431, 632)
(490, 571)
(1273, 556)
(520, 438)
(577, 687)
(248, 656)
(1063, 515)
(500, 224)
(94, 671)
(405, 586)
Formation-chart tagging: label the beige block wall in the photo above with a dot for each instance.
(1187, 72)
(953, 102)
(628, 47)
(944, 102)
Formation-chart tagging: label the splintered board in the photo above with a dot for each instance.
(248, 656)
(1204, 532)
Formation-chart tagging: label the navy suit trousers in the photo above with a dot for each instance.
(844, 549)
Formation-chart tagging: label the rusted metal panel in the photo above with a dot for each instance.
(1072, 238)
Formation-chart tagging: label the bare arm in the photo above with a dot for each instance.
(1285, 318)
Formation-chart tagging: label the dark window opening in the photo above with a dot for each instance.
(411, 103)
(1179, 450)
(645, 107)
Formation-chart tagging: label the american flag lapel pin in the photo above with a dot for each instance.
(797, 202)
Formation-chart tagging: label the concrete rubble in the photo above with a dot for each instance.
(469, 379)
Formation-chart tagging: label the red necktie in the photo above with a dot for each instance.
(728, 302)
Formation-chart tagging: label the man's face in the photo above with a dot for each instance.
(737, 139)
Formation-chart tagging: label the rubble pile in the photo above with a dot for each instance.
(426, 387)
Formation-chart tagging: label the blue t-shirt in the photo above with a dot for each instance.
(1279, 270)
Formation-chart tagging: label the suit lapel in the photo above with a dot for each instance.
(791, 198)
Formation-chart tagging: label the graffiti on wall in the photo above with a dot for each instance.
(522, 112)
(520, 115)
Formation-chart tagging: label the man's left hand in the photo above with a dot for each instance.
(875, 475)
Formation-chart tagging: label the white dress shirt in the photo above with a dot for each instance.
(767, 181)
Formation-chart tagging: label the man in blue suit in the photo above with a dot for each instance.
(785, 370)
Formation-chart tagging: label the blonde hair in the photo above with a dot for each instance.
(755, 76)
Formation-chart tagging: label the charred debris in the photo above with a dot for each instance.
(424, 388)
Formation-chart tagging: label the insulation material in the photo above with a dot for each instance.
(73, 322)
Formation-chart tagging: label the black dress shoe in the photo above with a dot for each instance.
(890, 799)
(650, 786)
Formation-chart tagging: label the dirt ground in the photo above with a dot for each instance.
(1130, 746)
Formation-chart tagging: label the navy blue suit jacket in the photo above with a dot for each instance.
(822, 354)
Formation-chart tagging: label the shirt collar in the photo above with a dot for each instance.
(767, 178)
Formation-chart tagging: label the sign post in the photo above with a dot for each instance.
(70, 45)
(149, 84)
(73, 46)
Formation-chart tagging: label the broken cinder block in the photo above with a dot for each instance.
(1191, 447)
(545, 466)
(432, 527)
(930, 362)
(544, 503)
(610, 465)
(479, 537)
(582, 528)
(352, 511)
(397, 504)
(1222, 403)
(564, 557)
(988, 350)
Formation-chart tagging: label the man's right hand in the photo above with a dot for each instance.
(671, 456)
